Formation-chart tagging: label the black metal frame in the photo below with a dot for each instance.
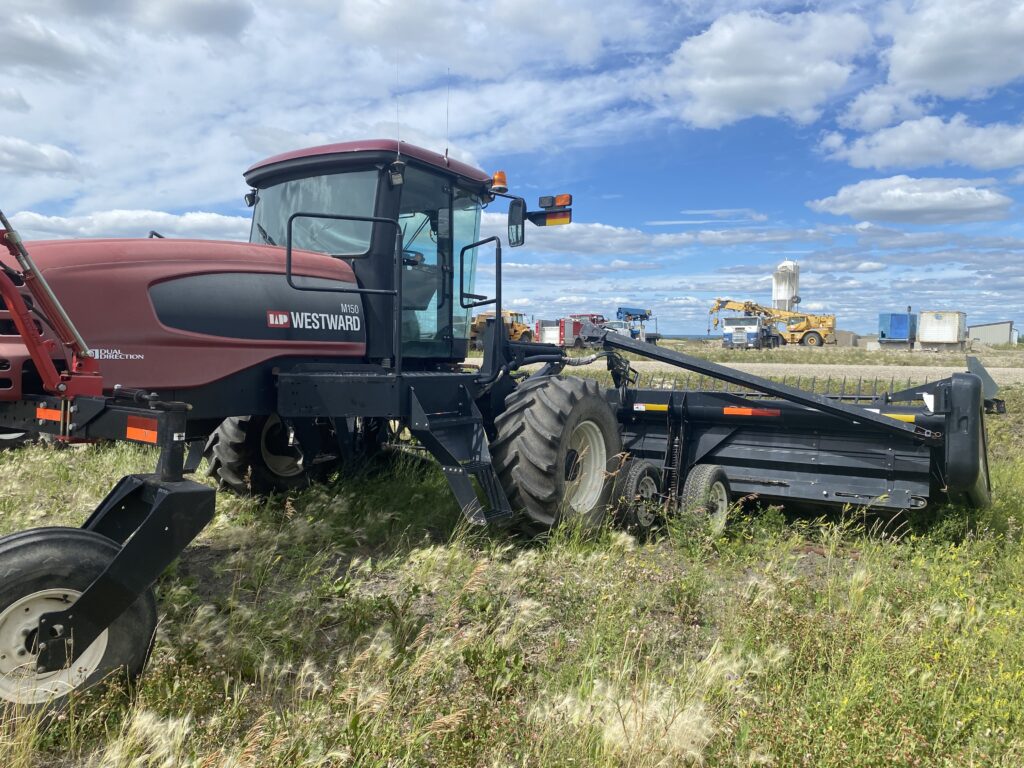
(153, 517)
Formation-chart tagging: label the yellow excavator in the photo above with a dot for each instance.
(758, 326)
(515, 324)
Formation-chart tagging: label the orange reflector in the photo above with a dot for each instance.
(733, 410)
(557, 218)
(141, 429)
(563, 201)
(48, 414)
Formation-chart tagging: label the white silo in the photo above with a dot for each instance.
(786, 285)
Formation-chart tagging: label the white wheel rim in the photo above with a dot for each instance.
(281, 464)
(585, 467)
(646, 492)
(19, 681)
(718, 506)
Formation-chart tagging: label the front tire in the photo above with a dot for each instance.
(556, 451)
(812, 339)
(47, 569)
(250, 455)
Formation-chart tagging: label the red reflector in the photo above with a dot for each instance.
(141, 429)
(734, 410)
(48, 414)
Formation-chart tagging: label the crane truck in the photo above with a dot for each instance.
(758, 326)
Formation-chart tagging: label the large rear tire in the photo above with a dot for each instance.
(250, 455)
(556, 452)
(47, 569)
(812, 339)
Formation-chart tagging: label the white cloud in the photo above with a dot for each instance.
(1017, 178)
(599, 238)
(118, 223)
(950, 49)
(906, 199)
(726, 213)
(717, 216)
(202, 18)
(932, 141)
(20, 156)
(878, 107)
(869, 266)
(955, 48)
(752, 64)
(29, 44)
(11, 100)
(459, 35)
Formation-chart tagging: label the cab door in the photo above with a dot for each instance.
(425, 219)
(437, 219)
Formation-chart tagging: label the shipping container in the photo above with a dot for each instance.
(942, 327)
(897, 327)
(992, 333)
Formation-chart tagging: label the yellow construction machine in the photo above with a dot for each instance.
(758, 326)
(515, 324)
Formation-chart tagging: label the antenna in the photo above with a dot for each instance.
(398, 116)
(447, 111)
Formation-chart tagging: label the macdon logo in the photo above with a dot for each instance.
(115, 354)
(313, 321)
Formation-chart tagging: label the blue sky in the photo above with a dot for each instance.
(881, 145)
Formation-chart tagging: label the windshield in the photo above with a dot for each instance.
(731, 322)
(351, 193)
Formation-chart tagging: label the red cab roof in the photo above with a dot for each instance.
(374, 145)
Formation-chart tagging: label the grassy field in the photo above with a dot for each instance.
(361, 624)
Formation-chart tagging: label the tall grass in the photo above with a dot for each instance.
(362, 623)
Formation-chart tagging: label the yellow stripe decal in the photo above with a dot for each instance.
(907, 417)
(650, 407)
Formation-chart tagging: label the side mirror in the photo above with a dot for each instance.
(250, 198)
(516, 222)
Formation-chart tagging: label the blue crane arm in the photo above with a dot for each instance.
(633, 313)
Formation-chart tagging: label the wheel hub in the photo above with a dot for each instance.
(282, 459)
(647, 493)
(586, 460)
(20, 683)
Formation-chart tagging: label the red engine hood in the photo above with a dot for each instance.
(217, 255)
(236, 305)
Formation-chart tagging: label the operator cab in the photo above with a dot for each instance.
(323, 199)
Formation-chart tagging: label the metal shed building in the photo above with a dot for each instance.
(992, 333)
